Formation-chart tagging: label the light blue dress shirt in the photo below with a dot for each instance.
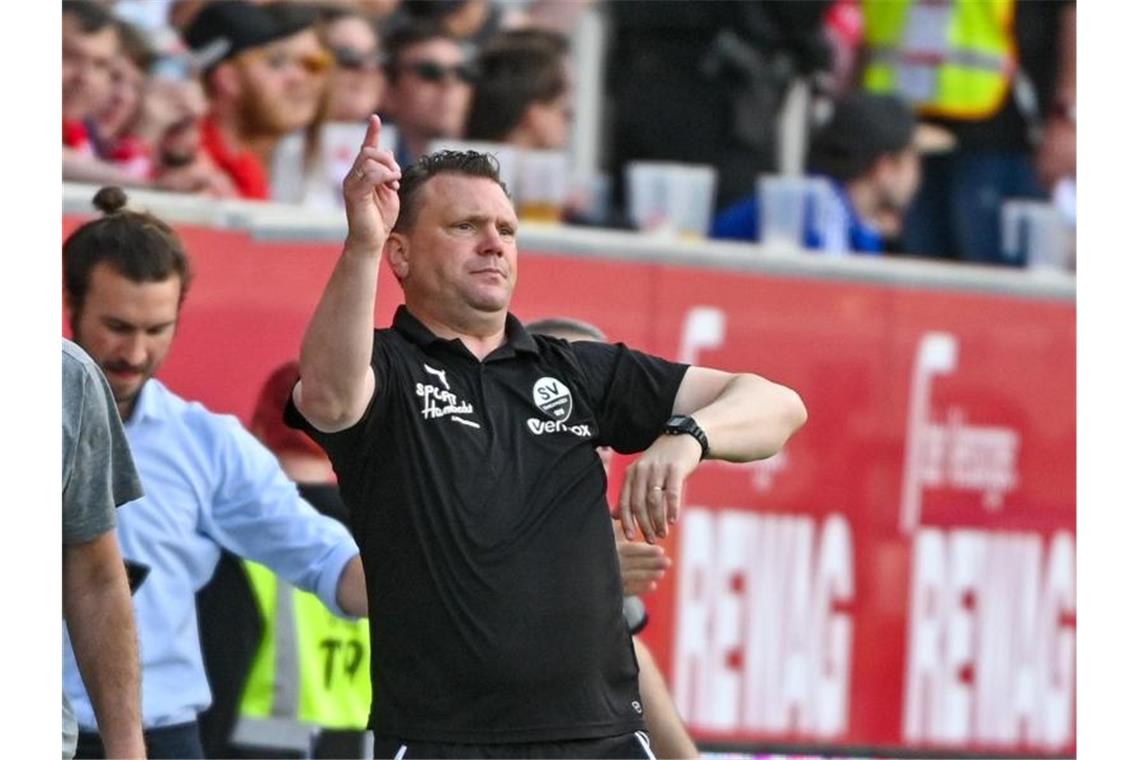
(209, 484)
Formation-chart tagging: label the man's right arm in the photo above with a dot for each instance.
(97, 607)
(667, 734)
(337, 381)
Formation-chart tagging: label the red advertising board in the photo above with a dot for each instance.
(901, 576)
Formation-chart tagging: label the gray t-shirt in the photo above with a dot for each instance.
(98, 472)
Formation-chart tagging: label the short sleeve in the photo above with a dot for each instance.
(632, 393)
(343, 444)
(98, 472)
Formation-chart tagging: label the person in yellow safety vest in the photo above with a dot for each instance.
(952, 59)
(1001, 76)
(309, 690)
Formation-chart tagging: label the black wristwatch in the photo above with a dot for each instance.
(683, 424)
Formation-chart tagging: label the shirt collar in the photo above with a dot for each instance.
(519, 341)
(148, 405)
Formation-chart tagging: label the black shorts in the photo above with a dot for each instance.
(635, 745)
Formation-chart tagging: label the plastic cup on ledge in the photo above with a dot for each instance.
(1035, 232)
(542, 185)
(689, 200)
(647, 194)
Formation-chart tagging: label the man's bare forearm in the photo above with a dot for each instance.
(336, 353)
(100, 621)
(752, 418)
(351, 591)
(667, 735)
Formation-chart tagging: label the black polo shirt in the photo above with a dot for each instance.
(479, 506)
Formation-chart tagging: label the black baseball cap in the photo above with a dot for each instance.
(861, 128)
(221, 30)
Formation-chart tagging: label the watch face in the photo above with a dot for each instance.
(676, 421)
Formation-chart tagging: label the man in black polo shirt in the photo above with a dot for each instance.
(465, 452)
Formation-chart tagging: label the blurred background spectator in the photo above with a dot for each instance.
(735, 86)
(90, 47)
(429, 87)
(265, 75)
(523, 97)
(705, 82)
(309, 165)
(121, 123)
(995, 74)
(357, 84)
(470, 21)
(869, 151)
(115, 126)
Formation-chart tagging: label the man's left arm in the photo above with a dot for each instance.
(351, 594)
(258, 514)
(744, 418)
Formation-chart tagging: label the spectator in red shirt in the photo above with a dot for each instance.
(90, 47)
(90, 44)
(265, 75)
(114, 128)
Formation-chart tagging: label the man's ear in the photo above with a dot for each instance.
(396, 250)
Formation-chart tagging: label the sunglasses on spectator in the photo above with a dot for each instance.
(355, 60)
(314, 63)
(430, 71)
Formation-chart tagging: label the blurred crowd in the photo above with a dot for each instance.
(890, 127)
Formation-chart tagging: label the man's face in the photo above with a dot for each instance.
(895, 178)
(461, 251)
(358, 83)
(901, 179)
(87, 60)
(127, 328)
(427, 98)
(282, 84)
(550, 122)
(126, 92)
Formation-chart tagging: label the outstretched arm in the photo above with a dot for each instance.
(745, 418)
(337, 381)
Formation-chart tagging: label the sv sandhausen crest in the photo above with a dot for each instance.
(553, 398)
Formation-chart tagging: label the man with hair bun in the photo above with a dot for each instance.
(209, 484)
(465, 450)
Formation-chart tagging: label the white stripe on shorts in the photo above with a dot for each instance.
(401, 751)
(644, 739)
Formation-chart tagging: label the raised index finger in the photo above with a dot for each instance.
(372, 136)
